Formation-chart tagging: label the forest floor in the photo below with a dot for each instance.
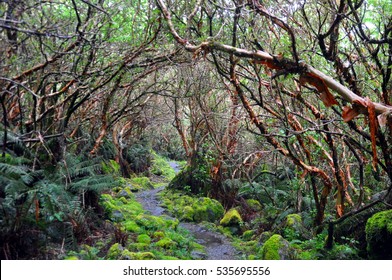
(146, 218)
(217, 246)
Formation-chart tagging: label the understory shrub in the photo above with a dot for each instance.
(40, 206)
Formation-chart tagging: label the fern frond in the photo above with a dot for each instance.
(74, 168)
(15, 144)
(12, 171)
(15, 188)
(12, 138)
(96, 183)
(53, 197)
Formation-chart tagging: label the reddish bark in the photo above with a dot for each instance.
(319, 84)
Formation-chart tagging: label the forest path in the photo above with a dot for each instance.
(217, 246)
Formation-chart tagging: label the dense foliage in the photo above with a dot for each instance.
(278, 108)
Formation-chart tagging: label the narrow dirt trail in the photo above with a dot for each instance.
(217, 246)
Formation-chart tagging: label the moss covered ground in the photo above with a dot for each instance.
(379, 235)
(192, 208)
(137, 235)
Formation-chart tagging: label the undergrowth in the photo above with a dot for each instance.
(161, 167)
(139, 235)
(43, 206)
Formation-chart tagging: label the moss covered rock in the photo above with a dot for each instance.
(195, 177)
(193, 209)
(231, 218)
(159, 235)
(127, 255)
(207, 209)
(124, 193)
(142, 183)
(144, 238)
(187, 214)
(247, 235)
(264, 236)
(138, 246)
(161, 167)
(144, 256)
(277, 248)
(293, 220)
(169, 258)
(154, 223)
(294, 228)
(166, 243)
(132, 226)
(115, 252)
(71, 258)
(254, 205)
(118, 252)
(118, 209)
(379, 235)
(117, 216)
(123, 200)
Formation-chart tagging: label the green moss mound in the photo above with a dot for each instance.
(196, 178)
(144, 256)
(166, 243)
(115, 252)
(276, 248)
(254, 205)
(379, 235)
(191, 208)
(231, 218)
(127, 255)
(138, 247)
(118, 252)
(207, 209)
(120, 209)
(159, 235)
(153, 223)
(293, 220)
(232, 222)
(71, 258)
(188, 214)
(142, 182)
(132, 226)
(124, 194)
(248, 235)
(144, 238)
(161, 167)
(294, 229)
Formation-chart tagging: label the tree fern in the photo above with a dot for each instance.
(96, 183)
(11, 171)
(54, 200)
(15, 145)
(14, 178)
(11, 137)
(73, 167)
(44, 200)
